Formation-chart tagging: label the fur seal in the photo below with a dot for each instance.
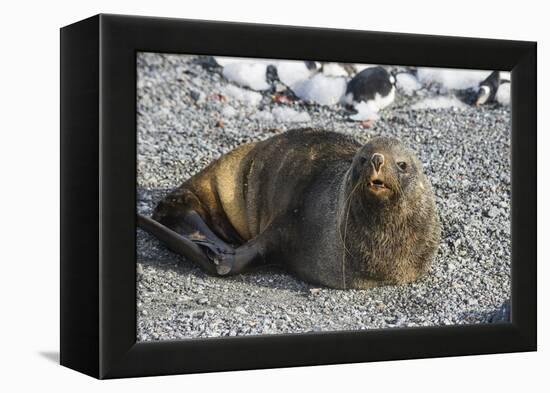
(331, 211)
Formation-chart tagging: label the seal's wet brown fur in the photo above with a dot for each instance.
(306, 199)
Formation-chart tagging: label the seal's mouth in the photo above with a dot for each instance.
(377, 186)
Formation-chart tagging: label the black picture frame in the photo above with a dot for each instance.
(98, 193)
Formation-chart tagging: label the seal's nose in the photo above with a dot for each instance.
(377, 161)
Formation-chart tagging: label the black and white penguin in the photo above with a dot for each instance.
(338, 69)
(487, 89)
(503, 92)
(374, 86)
(312, 65)
(331, 69)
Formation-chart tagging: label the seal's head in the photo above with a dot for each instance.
(390, 221)
(387, 172)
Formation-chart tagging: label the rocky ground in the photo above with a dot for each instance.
(185, 121)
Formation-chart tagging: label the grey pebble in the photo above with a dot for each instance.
(240, 310)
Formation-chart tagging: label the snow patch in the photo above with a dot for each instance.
(321, 89)
(247, 97)
(292, 72)
(283, 115)
(452, 78)
(252, 72)
(360, 67)
(334, 69)
(247, 74)
(228, 112)
(265, 116)
(441, 102)
(224, 61)
(407, 83)
(290, 115)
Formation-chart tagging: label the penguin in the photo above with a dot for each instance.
(331, 69)
(312, 65)
(503, 93)
(374, 86)
(505, 77)
(487, 89)
(406, 80)
(338, 69)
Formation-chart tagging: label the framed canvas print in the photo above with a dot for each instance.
(239, 196)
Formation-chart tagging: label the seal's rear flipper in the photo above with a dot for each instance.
(176, 242)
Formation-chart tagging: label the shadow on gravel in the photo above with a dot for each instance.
(147, 199)
(274, 277)
(476, 316)
(269, 276)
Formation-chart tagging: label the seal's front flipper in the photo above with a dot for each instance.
(222, 257)
(177, 243)
(224, 264)
(244, 256)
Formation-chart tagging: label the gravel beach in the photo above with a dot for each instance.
(188, 115)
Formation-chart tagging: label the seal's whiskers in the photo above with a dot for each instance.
(343, 239)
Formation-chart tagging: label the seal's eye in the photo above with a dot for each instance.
(402, 165)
